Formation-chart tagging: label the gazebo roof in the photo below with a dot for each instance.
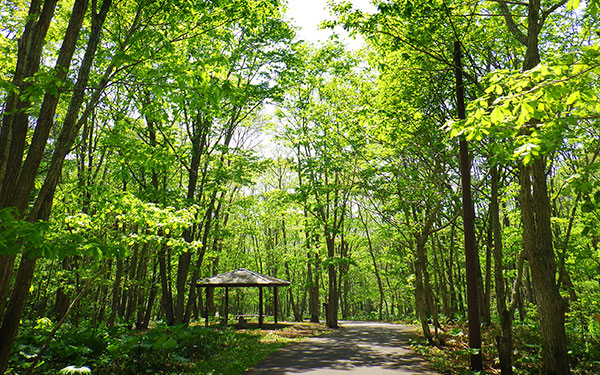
(242, 277)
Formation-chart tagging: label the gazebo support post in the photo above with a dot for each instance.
(260, 306)
(226, 305)
(207, 312)
(275, 304)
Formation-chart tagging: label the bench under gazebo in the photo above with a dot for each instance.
(244, 278)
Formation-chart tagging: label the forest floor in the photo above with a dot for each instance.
(356, 348)
(452, 355)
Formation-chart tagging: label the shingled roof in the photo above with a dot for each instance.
(242, 277)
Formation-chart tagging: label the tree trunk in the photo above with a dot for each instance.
(129, 297)
(100, 302)
(471, 256)
(375, 268)
(484, 313)
(313, 283)
(17, 179)
(536, 214)
(15, 118)
(116, 293)
(140, 287)
(148, 308)
(537, 241)
(7, 263)
(487, 293)
(332, 296)
(167, 297)
(343, 285)
(198, 140)
(294, 305)
(199, 261)
(504, 340)
(450, 267)
(61, 303)
(14, 310)
(440, 262)
(423, 313)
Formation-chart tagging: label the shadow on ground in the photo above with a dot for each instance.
(374, 348)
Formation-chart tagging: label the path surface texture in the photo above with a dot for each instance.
(356, 348)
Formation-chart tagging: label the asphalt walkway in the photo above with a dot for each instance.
(356, 348)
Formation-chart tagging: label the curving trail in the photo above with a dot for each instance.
(356, 348)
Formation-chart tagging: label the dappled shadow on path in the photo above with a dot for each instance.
(374, 348)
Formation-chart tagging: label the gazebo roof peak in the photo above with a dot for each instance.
(242, 277)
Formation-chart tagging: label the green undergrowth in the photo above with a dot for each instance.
(452, 354)
(160, 350)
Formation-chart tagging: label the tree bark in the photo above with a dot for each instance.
(151, 299)
(504, 340)
(536, 214)
(208, 220)
(198, 139)
(295, 308)
(375, 267)
(343, 285)
(450, 267)
(47, 111)
(423, 313)
(471, 257)
(294, 304)
(439, 262)
(313, 279)
(15, 118)
(140, 287)
(332, 297)
(167, 297)
(129, 297)
(14, 310)
(537, 241)
(116, 293)
(487, 292)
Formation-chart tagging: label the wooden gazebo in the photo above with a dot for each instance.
(244, 278)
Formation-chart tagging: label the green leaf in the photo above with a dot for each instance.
(573, 97)
(75, 370)
(525, 113)
(455, 132)
(456, 332)
(169, 344)
(497, 115)
(573, 4)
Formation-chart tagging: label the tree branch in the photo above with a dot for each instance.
(549, 11)
(510, 22)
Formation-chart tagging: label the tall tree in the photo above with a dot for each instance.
(16, 176)
(320, 130)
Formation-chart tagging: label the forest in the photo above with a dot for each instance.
(147, 144)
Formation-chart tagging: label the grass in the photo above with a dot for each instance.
(252, 345)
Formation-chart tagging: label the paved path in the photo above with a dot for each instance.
(356, 348)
